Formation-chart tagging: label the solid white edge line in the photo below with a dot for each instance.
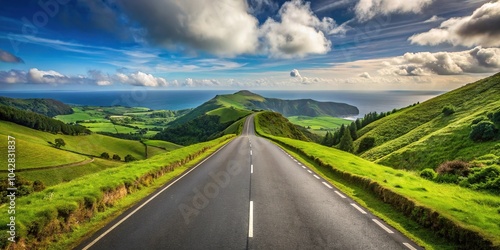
(326, 184)
(149, 200)
(340, 194)
(251, 169)
(383, 226)
(250, 221)
(358, 208)
(409, 246)
(317, 177)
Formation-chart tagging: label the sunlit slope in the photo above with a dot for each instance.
(422, 136)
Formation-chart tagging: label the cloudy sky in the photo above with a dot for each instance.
(251, 44)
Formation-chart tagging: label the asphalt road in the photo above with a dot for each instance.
(248, 195)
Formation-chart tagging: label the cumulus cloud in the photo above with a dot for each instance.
(222, 27)
(365, 75)
(479, 29)
(9, 58)
(295, 73)
(299, 33)
(51, 77)
(141, 79)
(477, 60)
(13, 76)
(368, 9)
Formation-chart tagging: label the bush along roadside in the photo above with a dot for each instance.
(424, 216)
(42, 217)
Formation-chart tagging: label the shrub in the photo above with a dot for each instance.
(105, 155)
(458, 168)
(448, 110)
(495, 116)
(38, 186)
(366, 143)
(117, 157)
(478, 119)
(483, 131)
(428, 174)
(59, 143)
(129, 158)
(446, 178)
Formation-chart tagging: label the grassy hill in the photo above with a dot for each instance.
(277, 125)
(423, 137)
(320, 124)
(47, 107)
(241, 102)
(37, 150)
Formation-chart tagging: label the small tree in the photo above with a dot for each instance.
(129, 158)
(117, 157)
(483, 131)
(105, 155)
(59, 143)
(346, 143)
(448, 110)
(366, 143)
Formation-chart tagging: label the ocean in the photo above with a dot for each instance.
(366, 101)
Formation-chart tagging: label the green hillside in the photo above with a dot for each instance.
(426, 202)
(47, 107)
(320, 124)
(38, 152)
(277, 125)
(423, 136)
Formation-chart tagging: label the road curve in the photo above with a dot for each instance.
(248, 195)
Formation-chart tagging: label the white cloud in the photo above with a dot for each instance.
(434, 19)
(299, 33)
(477, 60)
(365, 75)
(12, 77)
(46, 77)
(368, 9)
(141, 79)
(479, 29)
(295, 73)
(222, 27)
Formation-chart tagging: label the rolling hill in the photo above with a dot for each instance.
(242, 102)
(423, 136)
(47, 107)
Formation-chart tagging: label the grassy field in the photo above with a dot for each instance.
(66, 197)
(51, 177)
(33, 155)
(320, 124)
(81, 115)
(36, 144)
(162, 144)
(471, 209)
(423, 137)
(108, 127)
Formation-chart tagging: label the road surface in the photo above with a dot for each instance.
(248, 195)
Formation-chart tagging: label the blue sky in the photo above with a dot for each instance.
(251, 44)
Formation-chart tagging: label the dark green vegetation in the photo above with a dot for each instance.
(47, 107)
(66, 207)
(39, 122)
(465, 217)
(424, 136)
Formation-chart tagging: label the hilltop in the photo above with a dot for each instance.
(423, 136)
(243, 101)
(47, 107)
